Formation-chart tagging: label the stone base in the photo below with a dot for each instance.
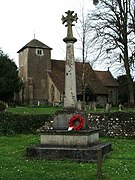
(82, 154)
(57, 143)
(64, 138)
(75, 145)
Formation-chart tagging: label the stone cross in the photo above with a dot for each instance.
(70, 75)
(69, 19)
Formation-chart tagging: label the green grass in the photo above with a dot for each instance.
(14, 165)
(52, 110)
(32, 110)
(44, 110)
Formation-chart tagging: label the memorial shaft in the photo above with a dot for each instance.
(70, 74)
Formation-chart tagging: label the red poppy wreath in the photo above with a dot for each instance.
(76, 118)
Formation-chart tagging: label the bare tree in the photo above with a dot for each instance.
(85, 48)
(113, 29)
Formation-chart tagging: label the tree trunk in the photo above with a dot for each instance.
(130, 88)
(129, 78)
(126, 55)
(83, 86)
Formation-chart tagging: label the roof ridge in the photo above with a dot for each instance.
(34, 43)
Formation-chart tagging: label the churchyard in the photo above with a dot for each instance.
(118, 164)
(51, 109)
(67, 143)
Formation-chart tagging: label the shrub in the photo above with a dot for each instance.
(11, 123)
(2, 106)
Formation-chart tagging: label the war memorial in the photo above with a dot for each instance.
(68, 135)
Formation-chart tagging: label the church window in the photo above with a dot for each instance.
(39, 52)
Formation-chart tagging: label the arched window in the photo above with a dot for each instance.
(52, 93)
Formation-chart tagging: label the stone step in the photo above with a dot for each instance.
(68, 153)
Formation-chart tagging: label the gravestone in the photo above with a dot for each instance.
(120, 107)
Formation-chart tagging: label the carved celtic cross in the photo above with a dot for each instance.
(69, 19)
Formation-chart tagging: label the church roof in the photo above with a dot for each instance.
(106, 78)
(57, 74)
(91, 80)
(34, 43)
(58, 77)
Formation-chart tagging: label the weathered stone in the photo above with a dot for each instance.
(70, 75)
(61, 118)
(84, 138)
(79, 105)
(81, 154)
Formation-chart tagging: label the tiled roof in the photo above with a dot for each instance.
(58, 77)
(33, 44)
(106, 78)
(58, 74)
(90, 78)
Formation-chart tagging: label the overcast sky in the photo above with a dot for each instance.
(20, 19)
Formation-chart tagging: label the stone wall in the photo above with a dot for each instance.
(121, 124)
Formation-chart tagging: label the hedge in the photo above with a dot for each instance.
(121, 124)
(11, 123)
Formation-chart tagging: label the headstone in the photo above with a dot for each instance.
(108, 107)
(94, 106)
(120, 107)
(38, 103)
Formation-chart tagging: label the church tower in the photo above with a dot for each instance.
(34, 62)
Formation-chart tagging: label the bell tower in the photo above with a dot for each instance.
(34, 61)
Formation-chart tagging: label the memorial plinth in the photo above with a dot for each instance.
(81, 146)
(61, 118)
(59, 135)
(83, 138)
(57, 143)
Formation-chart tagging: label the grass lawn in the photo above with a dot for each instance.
(37, 110)
(46, 110)
(51, 110)
(14, 165)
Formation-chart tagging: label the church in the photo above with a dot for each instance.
(44, 78)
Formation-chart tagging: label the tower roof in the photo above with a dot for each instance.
(34, 43)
